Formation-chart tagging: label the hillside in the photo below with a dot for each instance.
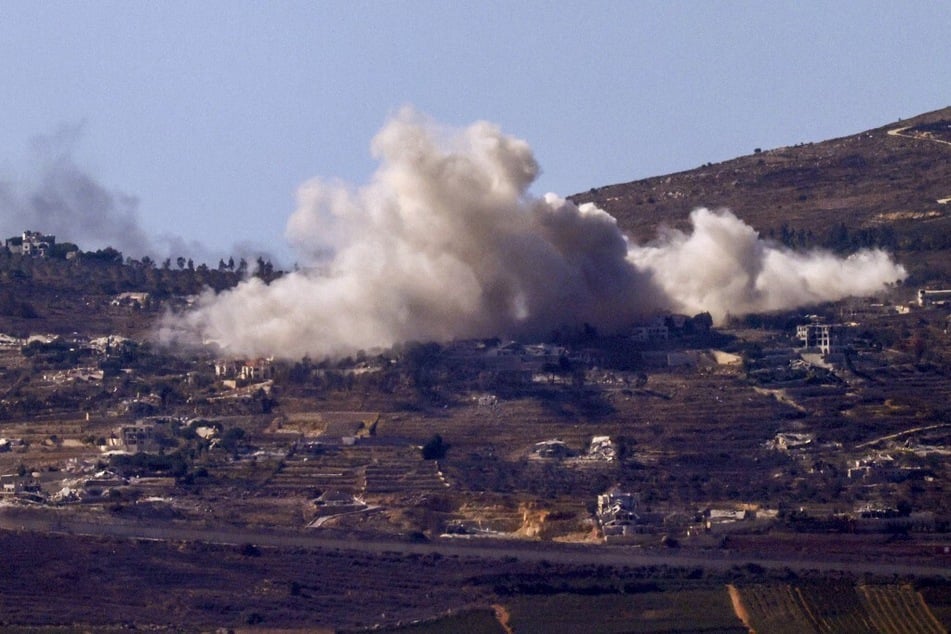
(884, 187)
(781, 472)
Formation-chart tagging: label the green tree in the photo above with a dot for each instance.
(435, 448)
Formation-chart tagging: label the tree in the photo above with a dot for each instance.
(435, 448)
(232, 438)
(702, 322)
(106, 256)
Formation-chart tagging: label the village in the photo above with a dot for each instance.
(786, 466)
(831, 420)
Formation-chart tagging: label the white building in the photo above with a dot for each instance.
(825, 337)
(31, 243)
(933, 297)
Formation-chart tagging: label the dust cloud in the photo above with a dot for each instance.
(446, 242)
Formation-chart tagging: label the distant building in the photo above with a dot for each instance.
(133, 438)
(617, 513)
(602, 448)
(933, 297)
(551, 449)
(784, 441)
(14, 484)
(657, 330)
(824, 337)
(134, 299)
(31, 243)
(250, 370)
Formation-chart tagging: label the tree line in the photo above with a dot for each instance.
(841, 239)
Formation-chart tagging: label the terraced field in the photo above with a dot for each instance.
(834, 608)
(703, 610)
(899, 610)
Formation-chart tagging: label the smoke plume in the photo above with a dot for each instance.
(446, 242)
(63, 199)
(67, 202)
(725, 268)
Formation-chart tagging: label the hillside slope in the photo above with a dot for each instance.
(884, 187)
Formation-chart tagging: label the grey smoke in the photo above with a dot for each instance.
(63, 199)
(66, 201)
(446, 242)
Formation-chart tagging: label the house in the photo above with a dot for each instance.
(933, 297)
(555, 449)
(32, 243)
(245, 370)
(13, 484)
(337, 498)
(132, 438)
(131, 299)
(617, 513)
(824, 337)
(103, 481)
(784, 441)
(645, 334)
(486, 400)
(10, 484)
(602, 448)
(257, 370)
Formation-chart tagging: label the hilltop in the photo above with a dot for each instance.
(889, 187)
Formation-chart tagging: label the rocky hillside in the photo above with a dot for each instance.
(888, 187)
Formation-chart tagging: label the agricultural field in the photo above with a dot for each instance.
(841, 607)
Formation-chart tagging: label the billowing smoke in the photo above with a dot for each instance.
(446, 242)
(725, 268)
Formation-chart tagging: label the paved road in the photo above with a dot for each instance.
(489, 549)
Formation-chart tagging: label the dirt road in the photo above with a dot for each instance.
(571, 554)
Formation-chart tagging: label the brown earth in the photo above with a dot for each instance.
(863, 181)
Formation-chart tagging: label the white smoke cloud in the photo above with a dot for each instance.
(724, 267)
(446, 242)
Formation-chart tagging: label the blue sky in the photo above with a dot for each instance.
(212, 113)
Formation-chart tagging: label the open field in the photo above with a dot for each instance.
(100, 582)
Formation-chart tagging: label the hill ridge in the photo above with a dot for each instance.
(863, 182)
